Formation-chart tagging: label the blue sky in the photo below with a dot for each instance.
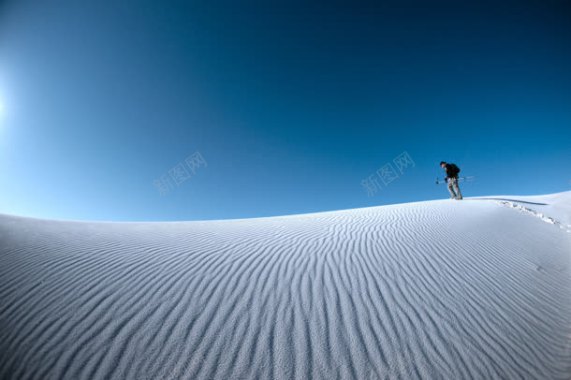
(291, 104)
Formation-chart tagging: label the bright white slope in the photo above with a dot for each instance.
(440, 289)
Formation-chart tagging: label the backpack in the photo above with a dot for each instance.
(454, 170)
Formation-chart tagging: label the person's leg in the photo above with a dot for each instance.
(451, 189)
(456, 189)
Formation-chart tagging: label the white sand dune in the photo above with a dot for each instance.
(432, 290)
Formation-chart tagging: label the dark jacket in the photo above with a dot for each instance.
(450, 172)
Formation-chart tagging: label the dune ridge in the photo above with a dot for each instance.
(436, 289)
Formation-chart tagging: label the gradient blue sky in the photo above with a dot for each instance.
(291, 104)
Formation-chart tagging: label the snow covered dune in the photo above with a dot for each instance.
(439, 289)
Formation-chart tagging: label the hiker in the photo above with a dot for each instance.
(452, 179)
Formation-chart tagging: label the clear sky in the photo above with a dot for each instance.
(290, 105)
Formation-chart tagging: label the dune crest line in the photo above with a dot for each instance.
(434, 289)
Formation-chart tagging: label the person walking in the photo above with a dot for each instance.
(451, 179)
